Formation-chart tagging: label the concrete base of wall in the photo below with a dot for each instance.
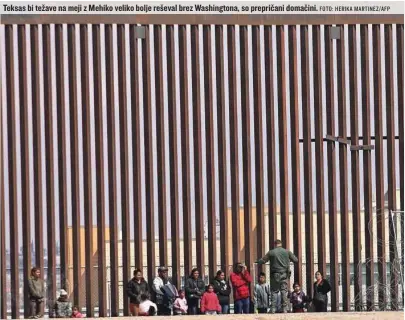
(307, 316)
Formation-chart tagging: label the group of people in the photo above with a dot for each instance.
(197, 298)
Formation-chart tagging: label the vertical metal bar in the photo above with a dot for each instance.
(318, 105)
(25, 167)
(173, 154)
(161, 133)
(62, 152)
(222, 160)
(389, 89)
(126, 234)
(12, 165)
(234, 142)
(112, 170)
(197, 133)
(100, 172)
(282, 123)
(306, 127)
(88, 184)
(246, 134)
(258, 134)
(271, 144)
(354, 133)
(210, 155)
(185, 147)
(378, 122)
(344, 213)
(76, 213)
(331, 154)
(50, 167)
(149, 181)
(400, 70)
(295, 149)
(368, 205)
(136, 147)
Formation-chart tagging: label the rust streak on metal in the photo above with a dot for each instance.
(295, 149)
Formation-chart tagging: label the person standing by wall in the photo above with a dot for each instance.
(36, 293)
(240, 280)
(209, 302)
(280, 273)
(321, 290)
(223, 290)
(262, 296)
(158, 283)
(194, 288)
(136, 286)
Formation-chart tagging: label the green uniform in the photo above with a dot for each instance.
(279, 274)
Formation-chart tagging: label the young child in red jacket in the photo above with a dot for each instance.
(240, 280)
(209, 302)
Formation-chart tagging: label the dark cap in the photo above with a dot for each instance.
(163, 268)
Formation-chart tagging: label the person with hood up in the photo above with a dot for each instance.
(136, 286)
(194, 288)
(240, 280)
(209, 302)
(223, 290)
(63, 307)
(158, 283)
(36, 293)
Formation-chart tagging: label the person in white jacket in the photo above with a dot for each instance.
(160, 281)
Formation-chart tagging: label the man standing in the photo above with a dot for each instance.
(36, 293)
(158, 283)
(279, 273)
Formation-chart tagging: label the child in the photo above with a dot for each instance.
(298, 299)
(180, 304)
(209, 302)
(76, 313)
(262, 294)
(146, 307)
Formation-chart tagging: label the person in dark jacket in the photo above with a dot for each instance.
(298, 299)
(223, 290)
(321, 289)
(240, 279)
(195, 288)
(280, 273)
(36, 293)
(135, 288)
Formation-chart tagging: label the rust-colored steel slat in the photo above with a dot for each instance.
(197, 134)
(368, 205)
(173, 154)
(124, 154)
(185, 148)
(87, 170)
(318, 110)
(282, 126)
(271, 143)
(342, 131)
(112, 170)
(379, 167)
(62, 151)
(390, 105)
(24, 149)
(74, 152)
(306, 126)
(12, 166)
(234, 142)
(136, 146)
(258, 135)
(149, 181)
(222, 161)
(210, 155)
(100, 172)
(246, 158)
(400, 70)
(50, 133)
(354, 131)
(161, 133)
(295, 149)
(331, 156)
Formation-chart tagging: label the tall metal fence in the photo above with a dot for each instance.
(149, 127)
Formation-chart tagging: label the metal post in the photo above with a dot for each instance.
(396, 248)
